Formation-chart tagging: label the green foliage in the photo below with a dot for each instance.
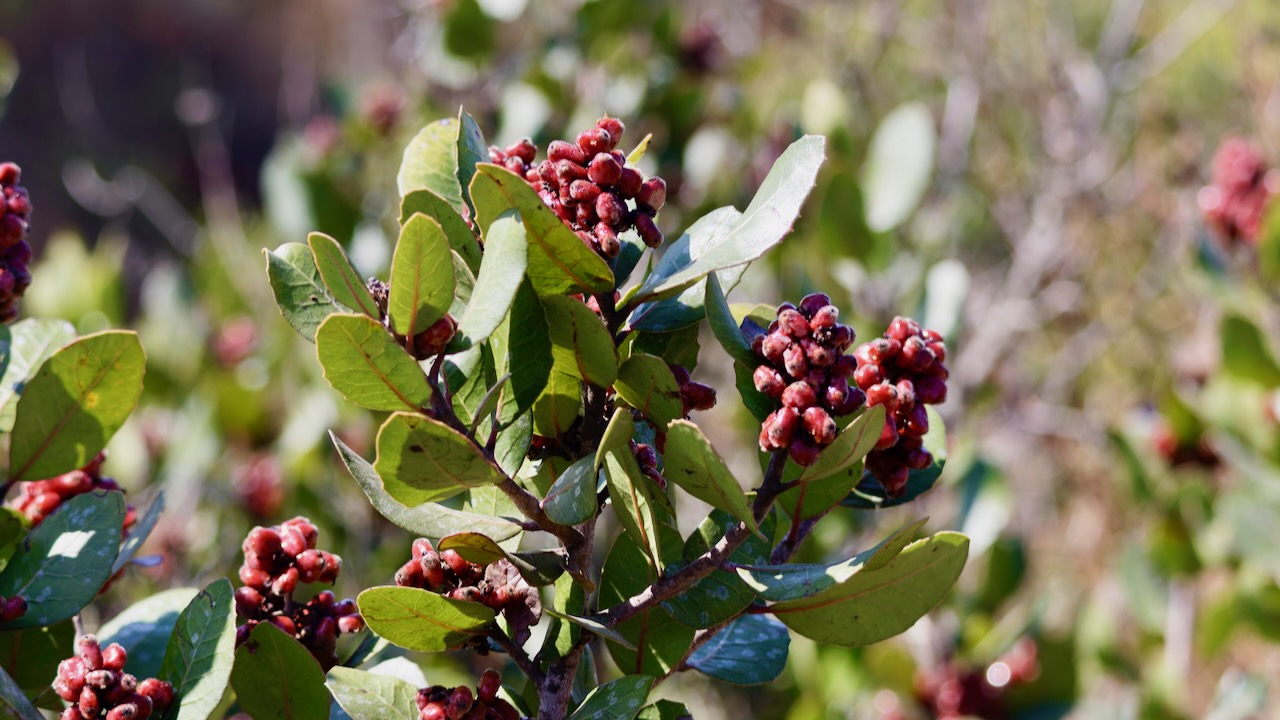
(199, 657)
(421, 620)
(297, 690)
(363, 694)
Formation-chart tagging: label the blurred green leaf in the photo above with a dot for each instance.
(276, 678)
(898, 166)
(619, 699)
(750, 651)
(300, 291)
(422, 277)
(421, 620)
(143, 629)
(66, 559)
(558, 260)
(201, 652)
(366, 695)
(139, 533)
(421, 460)
(1240, 696)
(874, 605)
(367, 366)
(693, 464)
(646, 383)
(77, 400)
(1246, 353)
(428, 520)
(15, 702)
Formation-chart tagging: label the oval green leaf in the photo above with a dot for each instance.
(572, 497)
(276, 678)
(852, 444)
(201, 651)
(693, 464)
(367, 695)
(872, 606)
(32, 341)
(899, 163)
(646, 384)
(422, 278)
(421, 460)
(367, 366)
(522, 347)
(339, 276)
(461, 239)
(580, 341)
(659, 641)
(430, 162)
(688, 307)
(750, 651)
(15, 703)
(638, 503)
(143, 629)
(620, 699)
(300, 292)
(722, 594)
(66, 559)
(77, 400)
(469, 148)
(31, 657)
(506, 254)
(420, 620)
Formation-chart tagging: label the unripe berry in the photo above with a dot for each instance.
(561, 150)
(285, 582)
(432, 571)
(819, 355)
(883, 394)
(490, 682)
(902, 328)
(782, 428)
(799, 395)
(523, 149)
(351, 624)
(803, 452)
(263, 542)
(813, 302)
(254, 577)
(820, 426)
(454, 561)
(128, 711)
(100, 679)
(114, 657)
(888, 435)
(774, 345)
(650, 235)
(697, 396)
(159, 691)
(459, 702)
(768, 381)
(285, 623)
(607, 239)
(793, 324)
(584, 191)
(14, 608)
(71, 713)
(88, 650)
(795, 362)
(292, 542)
(825, 317)
(311, 565)
(604, 170)
(433, 711)
(432, 341)
(631, 185)
(610, 208)
(918, 421)
(646, 456)
(88, 702)
(653, 193)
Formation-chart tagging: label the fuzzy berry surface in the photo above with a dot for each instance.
(15, 252)
(904, 371)
(497, 585)
(276, 560)
(803, 367)
(38, 499)
(1235, 201)
(94, 681)
(590, 187)
(461, 703)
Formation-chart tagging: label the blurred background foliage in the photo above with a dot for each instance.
(1019, 175)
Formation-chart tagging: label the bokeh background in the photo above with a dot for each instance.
(1022, 176)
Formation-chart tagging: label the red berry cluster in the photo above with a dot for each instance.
(276, 559)
(497, 585)
(96, 685)
(426, 344)
(647, 459)
(442, 703)
(38, 499)
(15, 253)
(693, 395)
(588, 184)
(1236, 199)
(806, 369)
(953, 692)
(903, 371)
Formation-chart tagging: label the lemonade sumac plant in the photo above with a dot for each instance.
(521, 349)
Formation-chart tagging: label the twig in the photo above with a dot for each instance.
(517, 653)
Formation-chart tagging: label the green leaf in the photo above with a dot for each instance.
(750, 651)
(505, 259)
(66, 559)
(725, 328)
(665, 710)
(660, 641)
(422, 278)
(762, 225)
(595, 626)
(421, 460)
(522, 347)
(276, 678)
(559, 262)
(461, 239)
(899, 163)
(13, 530)
(341, 279)
(1246, 353)
(646, 383)
(852, 444)
(557, 407)
(420, 620)
(77, 400)
(367, 366)
(722, 594)
(537, 568)
(143, 629)
(635, 502)
(687, 308)
(679, 347)
(426, 520)
(430, 162)
(470, 149)
(693, 464)
(620, 699)
(139, 533)
(617, 435)
(31, 657)
(14, 701)
(580, 343)
(780, 583)
(366, 695)
(300, 292)
(31, 342)
(572, 497)
(201, 652)
(869, 494)
(876, 605)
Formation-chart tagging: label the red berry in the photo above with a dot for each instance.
(285, 582)
(813, 302)
(824, 318)
(631, 185)
(888, 435)
(793, 324)
(421, 547)
(561, 150)
(653, 193)
(604, 170)
(613, 126)
(795, 362)
(159, 691)
(114, 657)
(432, 571)
(454, 561)
(883, 394)
(803, 452)
(768, 381)
(490, 682)
(773, 346)
(88, 650)
(610, 208)
(799, 395)
(351, 624)
(648, 229)
(820, 425)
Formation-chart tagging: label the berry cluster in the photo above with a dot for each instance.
(497, 585)
(1236, 199)
(15, 253)
(903, 371)
(806, 369)
(442, 703)
(96, 685)
(424, 345)
(38, 499)
(693, 395)
(953, 692)
(647, 459)
(276, 559)
(588, 184)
